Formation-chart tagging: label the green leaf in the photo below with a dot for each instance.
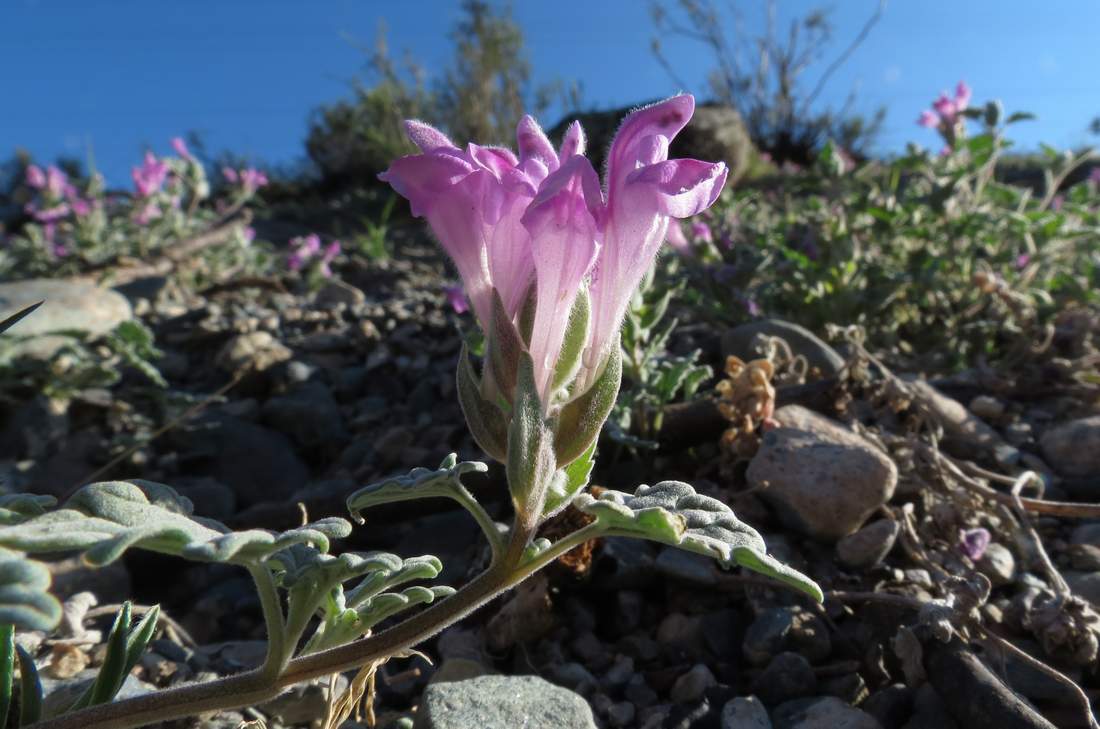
(671, 512)
(568, 482)
(103, 520)
(113, 671)
(25, 600)
(579, 421)
(487, 423)
(1018, 116)
(18, 316)
(576, 337)
(30, 689)
(7, 670)
(530, 464)
(140, 636)
(419, 483)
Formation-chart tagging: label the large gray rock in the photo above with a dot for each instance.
(828, 712)
(738, 341)
(821, 479)
(1073, 448)
(69, 306)
(502, 702)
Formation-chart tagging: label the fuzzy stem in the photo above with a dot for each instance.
(277, 652)
(258, 685)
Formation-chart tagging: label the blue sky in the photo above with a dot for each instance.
(117, 76)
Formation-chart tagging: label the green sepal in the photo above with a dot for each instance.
(527, 315)
(579, 422)
(504, 348)
(672, 512)
(30, 689)
(568, 482)
(7, 670)
(530, 464)
(419, 483)
(487, 423)
(576, 337)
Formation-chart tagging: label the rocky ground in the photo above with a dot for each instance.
(877, 483)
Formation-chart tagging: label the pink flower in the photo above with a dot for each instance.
(675, 237)
(149, 178)
(457, 299)
(230, 175)
(962, 96)
(307, 248)
(1057, 202)
(1094, 174)
(929, 119)
(248, 234)
(974, 542)
(181, 149)
(541, 216)
(1022, 260)
(36, 178)
(701, 231)
(252, 180)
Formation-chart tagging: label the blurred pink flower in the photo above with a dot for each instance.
(252, 180)
(1057, 202)
(456, 297)
(1022, 260)
(181, 149)
(675, 237)
(36, 178)
(974, 542)
(306, 248)
(150, 176)
(230, 175)
(701, 231)
(1094, 174)
(946, 109)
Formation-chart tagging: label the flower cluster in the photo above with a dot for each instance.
(249, 179)
(309, 251)
(539, 227)
(945, 116)
(56, 199)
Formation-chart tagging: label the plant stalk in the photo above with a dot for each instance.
(257, 686)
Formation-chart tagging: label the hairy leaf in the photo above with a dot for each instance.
(25, 601)
(671, 512)
(103, 520)
(419, 483)
(569, 481)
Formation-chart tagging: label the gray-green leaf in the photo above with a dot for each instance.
(25, 601)
(103, 520)
(419, 483)
(673, 513)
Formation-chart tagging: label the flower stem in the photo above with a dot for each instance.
(260, 685)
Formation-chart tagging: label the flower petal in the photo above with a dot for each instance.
(421, 178)
(562, 221)
(573, 142)
(427, 137)
(532, 143)
(665, 118)
(681, 187)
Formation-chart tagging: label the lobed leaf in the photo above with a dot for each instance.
(673, 513)
(419, 483)
(103, 520)
(25, 601)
